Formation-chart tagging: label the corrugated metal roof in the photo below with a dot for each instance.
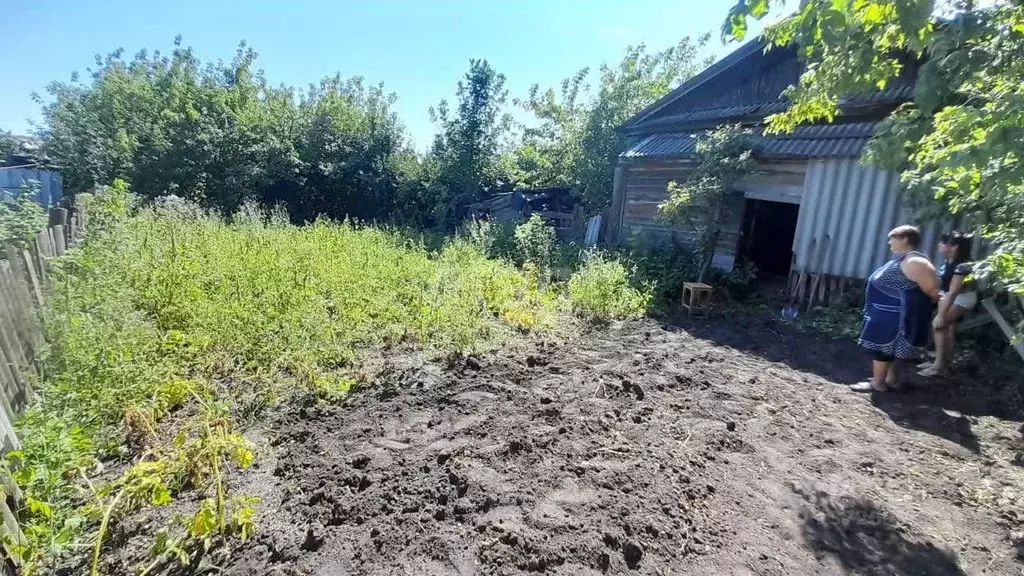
(689, 119)
(901, 91)
(754, 46)
(659, 145)
(820, 141)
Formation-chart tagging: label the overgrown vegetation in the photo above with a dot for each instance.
(222, 134)
(172, 308)
(536, 242)
(601, 289)
(21, 219)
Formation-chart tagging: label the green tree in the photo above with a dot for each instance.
(575, 143)
(8, 145)
(465, 156)
(724, 157)
(220, 134)
(961, 140)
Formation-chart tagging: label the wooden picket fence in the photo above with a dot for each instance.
(24, 288)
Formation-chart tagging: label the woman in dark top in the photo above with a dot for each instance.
(897, 308)
(957, 298)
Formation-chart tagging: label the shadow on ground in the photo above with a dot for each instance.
(836, 360)
(923, 411)
(866, 539)
(929, 407)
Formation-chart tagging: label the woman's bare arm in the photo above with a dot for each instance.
(922, 272)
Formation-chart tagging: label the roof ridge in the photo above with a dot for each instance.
(701, 78)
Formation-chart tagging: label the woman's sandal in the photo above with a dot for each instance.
(934, 372)
(868, 386)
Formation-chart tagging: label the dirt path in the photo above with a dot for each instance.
(637, 450)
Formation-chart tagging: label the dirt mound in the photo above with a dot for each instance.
(503, 465)
(636, 450)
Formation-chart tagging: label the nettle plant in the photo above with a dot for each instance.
(23, 218)
(536, 241)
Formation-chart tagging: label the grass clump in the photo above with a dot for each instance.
(173, 307)
(601, 289)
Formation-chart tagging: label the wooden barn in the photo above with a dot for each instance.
(813, 207)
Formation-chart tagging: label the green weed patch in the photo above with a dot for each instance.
(172, 307)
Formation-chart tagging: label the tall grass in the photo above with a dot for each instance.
(601, 289)
(173, 306)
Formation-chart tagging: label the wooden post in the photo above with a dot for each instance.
(993, 310)
(822, 254)
(18, 333)
(58, 217)
(19, 278)
(13, 360)
(73, 231)
(614, 230)
(30, 271)
(10, 525)
(53, 241)
(59, 239)
(43, 240)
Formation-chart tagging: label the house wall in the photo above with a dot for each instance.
(846, 211)
(642, 185)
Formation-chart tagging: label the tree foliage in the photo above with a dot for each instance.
(724, 156)
(466, 151)
(575, 143)
(220, 134)
(8, 145)
(960, 142)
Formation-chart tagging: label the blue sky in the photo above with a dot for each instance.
(418, 49)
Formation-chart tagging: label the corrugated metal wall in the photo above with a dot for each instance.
(14, 179)
(846, 211)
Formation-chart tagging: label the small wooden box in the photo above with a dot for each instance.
(696, 297)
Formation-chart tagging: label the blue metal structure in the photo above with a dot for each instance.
(15, 178)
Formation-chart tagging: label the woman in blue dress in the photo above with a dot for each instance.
(898, 306)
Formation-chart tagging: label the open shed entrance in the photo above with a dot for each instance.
(766, 239)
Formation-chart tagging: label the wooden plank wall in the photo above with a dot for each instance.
(24, 289)
(646, 186)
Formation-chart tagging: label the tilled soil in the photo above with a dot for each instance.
(723, 449)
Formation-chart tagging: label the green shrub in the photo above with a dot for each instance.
(601, 289)
(494, 238)
(661, 267)
(536, 242)
(22, 219)
(738, 283)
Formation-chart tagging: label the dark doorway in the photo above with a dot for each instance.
(767, 236)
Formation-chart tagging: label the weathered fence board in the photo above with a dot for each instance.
(24, 289)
